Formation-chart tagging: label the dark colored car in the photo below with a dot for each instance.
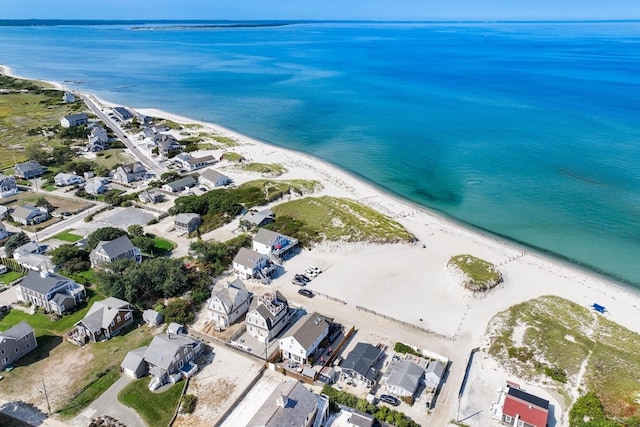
(303, 277)
(391, 400)
(306, 292)
(298, 282)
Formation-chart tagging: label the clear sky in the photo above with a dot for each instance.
(322, 9)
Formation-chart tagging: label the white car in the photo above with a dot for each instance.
(310, 273)
(314, 268)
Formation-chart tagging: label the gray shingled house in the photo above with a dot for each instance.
(180, 184)
(267, 316)
(116, 249)
(403, 377)
(104, 320)
(187, 222)
(15, 342)
(360, 364)
(8, 186)
(29, 215)
(301, 342)
(130, 172)
(290, 404)
(50, 291)
(228, 302)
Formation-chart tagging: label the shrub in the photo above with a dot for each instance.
(403, 348)
(188, 403)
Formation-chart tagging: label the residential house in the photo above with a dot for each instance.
(148, 132)
(521, 409)
(98, 139)
(4, 211)
(104, 320)
(151, 196)
(228, 302)
(181, 184)
(433, 374)
(95, 186)
(403, 377)
(15, 342)
(130, 172)
(301, 342)
(114, 250)
(190, 163)
(359, 365)
(166, 144)
(64, 179)
(176, 328)
(212, 178)
(36, 262)
(3, 231)
(268, 315)
(249, 264)
(28, 170)
(258, 219)
(290, 404)
(71, 120)
(29, 215)
(68, 98)
(122, 113)
(8, 186)
(26, 249)
(50, 291)
(152, 317)
(187, 222)
(168, 358)
(274, 244)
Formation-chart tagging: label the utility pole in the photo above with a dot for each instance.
(46, 396)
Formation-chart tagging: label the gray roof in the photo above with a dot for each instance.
(115, 247)
(122, 112)
(152, 316)
(258, 217)
(17, 331)
(135, 167)
(187, 181)
(247, 257)
(23, 212)
(404, 374)
(267, 237)
(228, 292)
(361, 359)
(163, 349)
(134, 358)
(27, 248)
(360, 419)
(174, 328)
(102, 313)
(212, 175)
(262, 309)
(195, 160)
(308, 328)
(436, 368)
(300, 403)
(185, 218)
(30, 165)
(34, 281)
(77, 116)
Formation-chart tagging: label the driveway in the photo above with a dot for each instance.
(108, 404)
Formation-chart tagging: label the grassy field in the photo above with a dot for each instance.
(10, 276)
(162, 246)
(343, 219)
(551, 332)
(112, 157)
(156, 409)
(232, 157)
(481, 275)
(24, 117)
(272, 169)
(67, 236)
(93, 390)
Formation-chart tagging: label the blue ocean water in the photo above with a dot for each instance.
(527, 130)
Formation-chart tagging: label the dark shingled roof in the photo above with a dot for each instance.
(361, 359)
(40, 284)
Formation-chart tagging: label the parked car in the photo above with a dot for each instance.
(306, 292)
(314, 268)
(303, 278)
(391, 400)
(298, 282)
(310, 273)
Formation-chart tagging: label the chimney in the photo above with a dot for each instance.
(282, 401)
(44, 273)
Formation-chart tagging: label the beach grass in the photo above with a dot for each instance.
(552, 332)
(67, 236)
(232, 157)
(113, 157)
(272, 169)
(480, 275)
(334, 219)
(275, 189)
(156, 409)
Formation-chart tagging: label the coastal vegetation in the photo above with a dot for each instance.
(232, 157)
(478, 274)
(271, 169)
(156, 409)
(333, 218)
(571, 348)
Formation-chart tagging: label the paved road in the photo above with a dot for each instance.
(108, 404)
(142, 157)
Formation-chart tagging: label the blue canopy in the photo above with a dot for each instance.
(599, 308)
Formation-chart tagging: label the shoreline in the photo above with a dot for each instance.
(575, 282)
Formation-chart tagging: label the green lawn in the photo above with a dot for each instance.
(49, 187)
(10, 276)
(90, 393)
(67, 236)
(88, 275)
(162, 246)
(156, 409)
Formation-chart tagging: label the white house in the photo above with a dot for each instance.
(249, 264)
(268, 316)
(403, 377)
(28, 215)
(301, 342)
(95, 186)
(68, 98)
(8, 186)
(74, 120)
(190, 163)
(212, 178)
(271, 243)
(229, 301)
(64, 179)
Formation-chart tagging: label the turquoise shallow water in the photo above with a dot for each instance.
(530, 131)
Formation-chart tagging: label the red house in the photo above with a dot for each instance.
(522, 409)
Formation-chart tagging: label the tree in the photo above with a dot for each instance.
(42, 202)
(588, 411)
(15, 242)
(103, 234)
(65, 253)
(135, 230)
(180, 311)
